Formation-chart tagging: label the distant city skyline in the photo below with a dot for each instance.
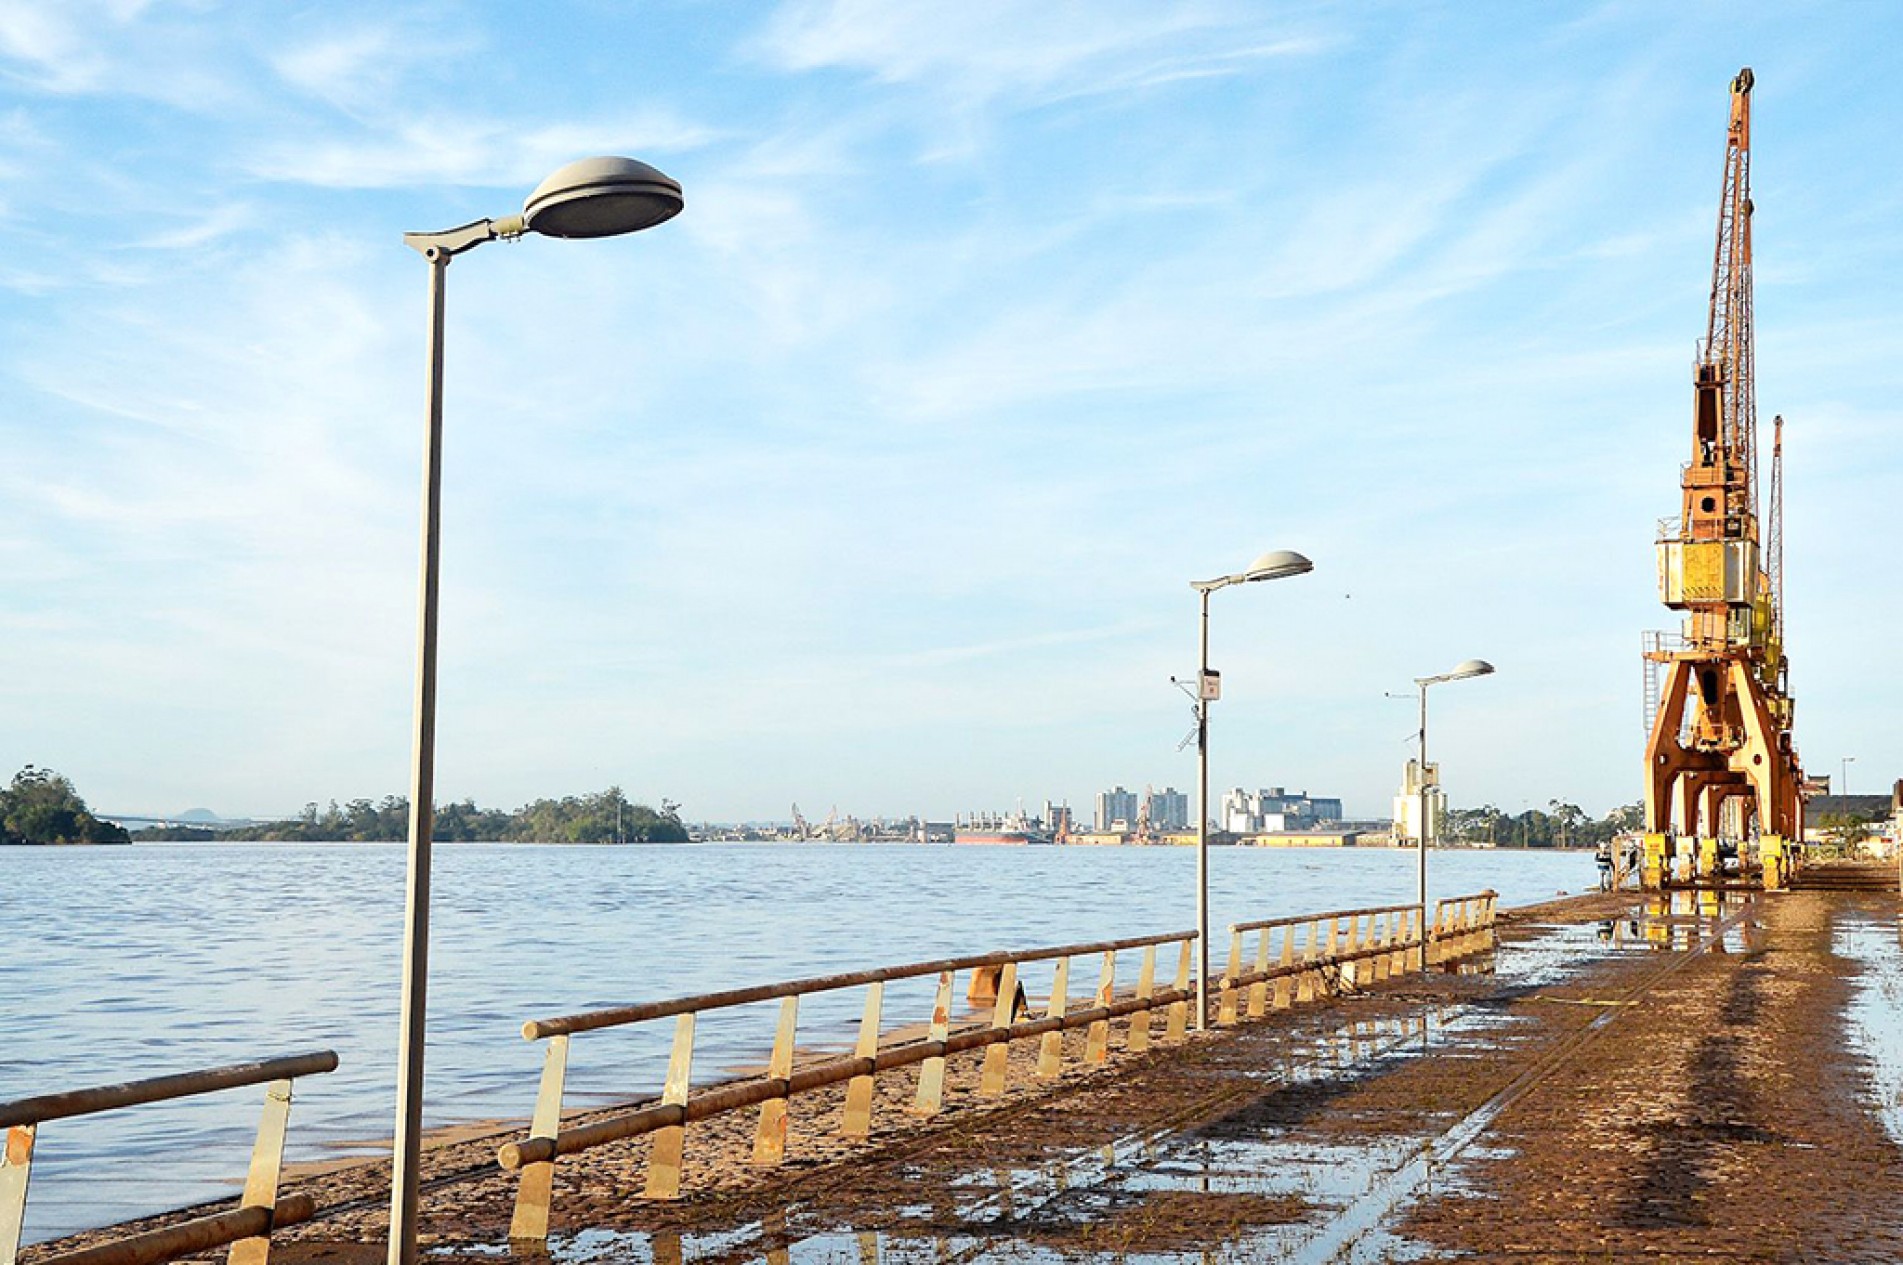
(879, 477)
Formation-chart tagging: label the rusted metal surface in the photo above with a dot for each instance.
(246, 1230)
(858, 1117)
(1097, 1043)
(81, 1102)
(589, 1021)
(931, 1074)
(769, 1140)
(16, 1167)
(664, 1169)
(1050, 1053)
(1003, 1012)
(200, 1235)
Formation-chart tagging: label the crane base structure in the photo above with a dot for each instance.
(1736, 781)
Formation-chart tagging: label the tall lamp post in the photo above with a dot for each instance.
(596, 197)
(1270, 566)
(1472, 667)
(1844, 782)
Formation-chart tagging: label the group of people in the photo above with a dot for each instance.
(1603, 858)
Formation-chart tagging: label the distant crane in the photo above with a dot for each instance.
(801, 830)
(1720, 750)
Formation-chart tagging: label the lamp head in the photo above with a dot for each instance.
(601, 197)
(1278, 564)
(1472, 667)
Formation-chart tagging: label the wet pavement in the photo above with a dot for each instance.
(1704, 1075)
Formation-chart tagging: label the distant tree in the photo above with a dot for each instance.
(42, 807)
(606, 817)
(1845, 831)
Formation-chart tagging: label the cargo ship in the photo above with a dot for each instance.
(1010, 829)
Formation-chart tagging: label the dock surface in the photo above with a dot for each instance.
(1625, 1079)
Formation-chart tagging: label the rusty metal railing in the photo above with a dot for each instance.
(667, 1119)
(1319, 955)
(1462, 925)
(246, 1229)
(1343, 950)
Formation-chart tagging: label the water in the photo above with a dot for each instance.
(131, 962)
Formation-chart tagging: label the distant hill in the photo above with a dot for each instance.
(198, 814)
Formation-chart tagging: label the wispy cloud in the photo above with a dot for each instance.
(467, 150)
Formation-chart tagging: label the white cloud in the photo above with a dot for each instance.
(961, 59)
(467, 150)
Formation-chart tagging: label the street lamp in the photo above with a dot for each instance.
(1843, 787)
(1270, 566)
(1472, 667)
(596, 197)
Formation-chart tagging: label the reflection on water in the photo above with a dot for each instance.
(1875, 942)
(159, 958)
(1244, 1193)
(1681, 919)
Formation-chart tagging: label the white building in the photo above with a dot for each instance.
(1273, 810)
(1407, 805)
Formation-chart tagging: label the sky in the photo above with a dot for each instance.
(877, 479)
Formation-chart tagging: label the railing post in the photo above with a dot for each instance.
(769, 1140)
(1351, 969)
(16, 1166)
(535, 1191)
(664, 1164)
(1284, 983)
(1311, 945)
(1139, 1038)
(1379, 937)
(1097, 1041)
(857, 1122)
(1226, 1003)
(1328, 951)
(1259, 991)
(1050, 1051)
(1179, 1010)
(931, 1073)
(997, 1068)
(261, 1182)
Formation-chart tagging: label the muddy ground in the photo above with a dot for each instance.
(1595, 1091)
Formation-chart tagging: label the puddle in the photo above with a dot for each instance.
(1256, 1184)
(1876, 1009)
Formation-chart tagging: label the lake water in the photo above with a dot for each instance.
(122, 963)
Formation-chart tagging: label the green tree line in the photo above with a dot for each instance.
(605, 817)
(1558, 825)
(41, 806)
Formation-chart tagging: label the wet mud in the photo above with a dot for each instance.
(1703, 1077)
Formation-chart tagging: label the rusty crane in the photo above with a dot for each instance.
(1722, 772)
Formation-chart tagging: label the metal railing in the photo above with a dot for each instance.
(1337, 945)
(1321, 955)
(667, 1119)
(246, 1229)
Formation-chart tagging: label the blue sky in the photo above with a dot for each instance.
(877, 478)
